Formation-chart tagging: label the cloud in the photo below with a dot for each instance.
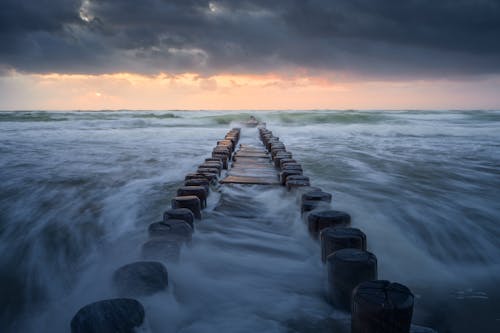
(386, 38)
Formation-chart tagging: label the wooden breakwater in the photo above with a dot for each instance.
(376, 306)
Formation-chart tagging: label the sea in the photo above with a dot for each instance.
(78, 190)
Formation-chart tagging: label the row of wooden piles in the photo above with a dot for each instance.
(375, 306)
(149, 275)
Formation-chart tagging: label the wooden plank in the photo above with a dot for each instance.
(250, 180)
(253, 173)
(255, 155)
(252, 160)
(252, 165)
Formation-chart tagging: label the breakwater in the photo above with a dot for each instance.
(377, 305)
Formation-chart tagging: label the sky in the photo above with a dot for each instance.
(249, 54)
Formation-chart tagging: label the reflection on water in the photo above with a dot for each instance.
(79, 189)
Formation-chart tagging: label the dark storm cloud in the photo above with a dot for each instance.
(390, 37)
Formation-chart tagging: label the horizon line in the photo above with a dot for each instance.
(243, 110)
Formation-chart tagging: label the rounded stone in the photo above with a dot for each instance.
(334, 239)
(381, 306)
(140, 278)
(119, 315)
(346, 269)
(318, 220)
(183, 214)
(190, 202)
(177, 230)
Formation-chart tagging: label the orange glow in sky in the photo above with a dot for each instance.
(191, 91)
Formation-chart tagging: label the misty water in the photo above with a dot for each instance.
(78, 190)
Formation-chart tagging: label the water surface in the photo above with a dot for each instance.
(80, 188)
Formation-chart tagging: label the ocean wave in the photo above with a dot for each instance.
(16, 116)
(156, 115)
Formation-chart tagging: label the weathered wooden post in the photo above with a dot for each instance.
(337, 238)
(204, 182)
(199, 191)
(318, 220)
(190, 202)
(177, 230)
(346, 269)
(381, 307)
(183, 214)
